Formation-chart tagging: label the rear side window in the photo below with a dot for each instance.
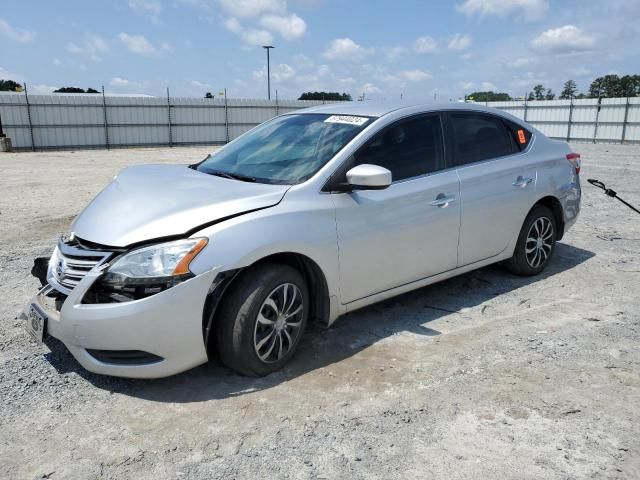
(477, 137)
(409, 148)
(521, 136)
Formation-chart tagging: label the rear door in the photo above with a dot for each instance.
(497, 182)
(408, 231)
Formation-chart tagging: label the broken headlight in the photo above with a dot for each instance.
(146, 271)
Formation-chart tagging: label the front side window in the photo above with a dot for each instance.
(477, 137)
(287, 150)
(407, 149)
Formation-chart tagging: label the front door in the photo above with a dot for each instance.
(409, 231)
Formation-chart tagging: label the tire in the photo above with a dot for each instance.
(532, 255)
(250, 321)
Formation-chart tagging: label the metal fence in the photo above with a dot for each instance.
(604, 120)
(40, 122)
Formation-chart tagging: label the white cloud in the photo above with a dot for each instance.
(41, 89)
(459, 42)
(395, 53)
(257, 37)
(140, 45)
(400, 78)
(57, 62)
(487, 86)
(466, 56)
(302, 61)
(7, 75)
(425, 45)
(150, 8)
(16, 34)
(280, 73)
(345, 49)
(93, 46)
(521, 62)
(290, 27)
(563, 40)
(127, 86)
(415, 75)
(369, 88)
(201, 85)
(253, 37)
(527, 9)
(466, 86)
(582, 71)
(252, 8)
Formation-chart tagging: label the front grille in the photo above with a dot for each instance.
(71, 262)
(70, 270)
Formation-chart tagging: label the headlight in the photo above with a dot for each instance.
(164, 264)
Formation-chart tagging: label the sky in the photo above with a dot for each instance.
(417, 49)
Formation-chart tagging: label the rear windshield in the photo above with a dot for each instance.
(286, 150)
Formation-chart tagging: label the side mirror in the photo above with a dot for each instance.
(369, 177)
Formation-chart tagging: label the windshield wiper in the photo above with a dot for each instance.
(233, 176)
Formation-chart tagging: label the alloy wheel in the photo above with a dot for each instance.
(278, 323)
(539, 242)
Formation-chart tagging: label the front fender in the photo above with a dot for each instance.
(303, 227)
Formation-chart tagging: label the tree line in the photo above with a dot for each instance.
(608, 86)
(330, 96)
(13, 86)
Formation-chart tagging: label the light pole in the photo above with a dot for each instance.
(267, 48)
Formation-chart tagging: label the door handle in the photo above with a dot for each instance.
(443, 200)
(522, 181)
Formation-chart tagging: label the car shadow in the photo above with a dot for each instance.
(321, 347)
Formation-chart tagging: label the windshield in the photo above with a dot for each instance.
(287, 150)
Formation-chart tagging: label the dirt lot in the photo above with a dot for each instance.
(482, 376)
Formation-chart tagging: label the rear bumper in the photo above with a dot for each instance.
(167, 325)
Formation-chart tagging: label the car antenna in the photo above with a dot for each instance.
(611, 193)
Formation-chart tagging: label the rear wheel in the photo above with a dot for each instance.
(261, 322)
(536, 243)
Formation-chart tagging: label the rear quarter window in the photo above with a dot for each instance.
(521, 135)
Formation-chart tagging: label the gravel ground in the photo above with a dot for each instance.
(482, 376)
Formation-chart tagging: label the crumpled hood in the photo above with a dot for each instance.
(146, 202)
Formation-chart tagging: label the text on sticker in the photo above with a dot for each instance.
(348, 119)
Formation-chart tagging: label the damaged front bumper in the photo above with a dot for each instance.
(152, 337)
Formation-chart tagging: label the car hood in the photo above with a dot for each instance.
(147, 202)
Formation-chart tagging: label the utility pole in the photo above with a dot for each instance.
(267, 48)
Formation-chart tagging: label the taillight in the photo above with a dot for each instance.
(574, 159)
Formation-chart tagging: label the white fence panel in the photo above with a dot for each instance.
(95, 121)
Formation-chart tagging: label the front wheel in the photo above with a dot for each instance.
(536, 243)
(261, 322)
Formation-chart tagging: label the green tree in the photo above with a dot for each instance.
(538, 92)
(208, 95)
(629, 86)
(489, 96)
(9, 86)
(614, 86)
(569, 90)
(74, 90)
(327, 96)
(549, 95)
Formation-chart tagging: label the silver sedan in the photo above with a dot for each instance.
(306, 217)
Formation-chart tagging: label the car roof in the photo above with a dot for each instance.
(379, 109)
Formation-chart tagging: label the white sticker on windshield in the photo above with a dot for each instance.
(348, 119)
